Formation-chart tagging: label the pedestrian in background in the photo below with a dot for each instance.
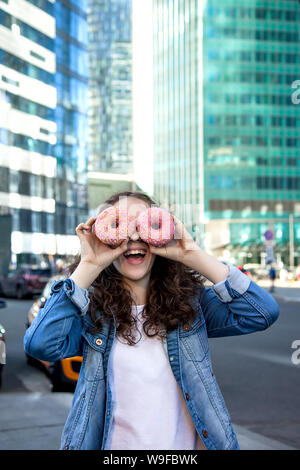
(159, 392)
(272, 274)
(284, 275)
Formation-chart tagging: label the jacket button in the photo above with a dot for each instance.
(204, 433)
(99, 342)
(187, 396)
(186, 327)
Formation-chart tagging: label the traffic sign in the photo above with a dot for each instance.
(269, 235)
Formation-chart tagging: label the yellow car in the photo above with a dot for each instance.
(64, 373)
(2, 344)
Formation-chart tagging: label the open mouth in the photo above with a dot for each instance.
(135, 253)
(135, 256)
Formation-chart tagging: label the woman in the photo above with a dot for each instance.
(155, 390)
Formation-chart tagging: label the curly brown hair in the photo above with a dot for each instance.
(169, 299)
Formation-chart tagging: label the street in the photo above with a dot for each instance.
(255, 372)
(258, 379)
(32, 417)
(17, 375)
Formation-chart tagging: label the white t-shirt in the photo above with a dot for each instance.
(149, 410)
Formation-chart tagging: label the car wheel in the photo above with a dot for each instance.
(55, 373)
(20, 292)
(1, 369)
(30, 360)
(2, 294)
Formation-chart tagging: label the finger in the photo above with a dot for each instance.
(181, 232)
(121, 249)
(160, 251)
(81, 229)
(90, 222)
(179, 229)
(88, 226)
(171, 254)
(176, 220)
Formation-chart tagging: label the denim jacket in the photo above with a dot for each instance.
(234, 306)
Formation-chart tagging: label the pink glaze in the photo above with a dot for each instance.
(155, 226)
(113, 226)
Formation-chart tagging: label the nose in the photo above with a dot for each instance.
(132, 231)
(134, 235)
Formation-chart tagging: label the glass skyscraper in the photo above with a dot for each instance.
(43, 126)
(248, 170)
(177, 93)
(71, 113)
(251, 125)
(110, 112)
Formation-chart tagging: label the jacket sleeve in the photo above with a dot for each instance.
(237, 306)
(55, 333)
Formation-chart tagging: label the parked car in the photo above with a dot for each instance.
(2, 344)
(63, 374)
(258, 271)
(245, 271)
(24, 281)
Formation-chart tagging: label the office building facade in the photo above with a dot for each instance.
(248, 168)
(110, 97)
(177, 63)
(71, 114)
(251, 125)
(43, 187)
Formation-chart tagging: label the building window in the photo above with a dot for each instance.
(13, 181)
(50, 223)
(276, 142)
(16, 220)
(36, 221)
(291, 142)
(291, 161)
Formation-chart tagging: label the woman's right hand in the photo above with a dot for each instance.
(93, 251)
(95, 255)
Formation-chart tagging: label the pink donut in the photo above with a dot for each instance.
(113, 226)
(155, 226)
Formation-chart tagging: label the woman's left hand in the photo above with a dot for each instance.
(185, 250)
(180, 247)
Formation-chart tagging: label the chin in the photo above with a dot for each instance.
(134, 272)
(134, 277)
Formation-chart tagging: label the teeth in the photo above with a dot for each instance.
(134, 252)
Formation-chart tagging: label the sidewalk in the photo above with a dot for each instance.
(289, 292)
(34, 421)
